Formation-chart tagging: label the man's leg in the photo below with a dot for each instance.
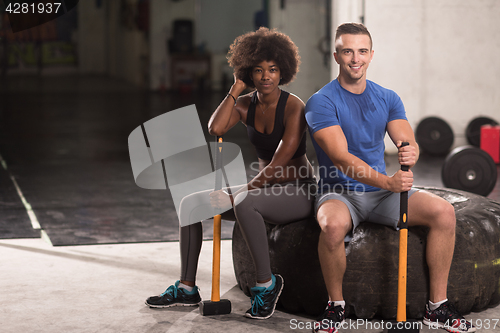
(426, 209)
(334, 219)
(435, 213)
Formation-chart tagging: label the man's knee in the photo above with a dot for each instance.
(334, 228)
(445, 215)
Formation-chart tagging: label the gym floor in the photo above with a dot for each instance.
(82, 246)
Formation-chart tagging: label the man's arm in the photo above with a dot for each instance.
(333, 142)
(400, 131)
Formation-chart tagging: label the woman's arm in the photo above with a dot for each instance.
(295, 126)
(227, 115)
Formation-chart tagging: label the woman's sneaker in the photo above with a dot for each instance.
(175, 296)
(331, 319)
(264, 300)
(447, 317)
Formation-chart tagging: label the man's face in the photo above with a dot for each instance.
(353, 54)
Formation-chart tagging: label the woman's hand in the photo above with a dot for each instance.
(226, 115)
(238, 86)
(220, 199)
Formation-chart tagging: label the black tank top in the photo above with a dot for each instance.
(266, 144)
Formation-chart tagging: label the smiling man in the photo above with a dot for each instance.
(348, 119)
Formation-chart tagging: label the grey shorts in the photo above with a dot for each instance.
(380, 207)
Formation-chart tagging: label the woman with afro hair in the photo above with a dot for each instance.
(283, 190)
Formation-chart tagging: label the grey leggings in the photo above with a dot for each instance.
(277, 204)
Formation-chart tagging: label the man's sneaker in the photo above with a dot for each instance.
(447, 317)
(330, 320)
(175, 296)
(264, 300)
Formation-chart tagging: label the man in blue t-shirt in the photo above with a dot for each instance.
(348, 119)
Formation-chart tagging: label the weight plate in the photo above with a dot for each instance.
(469, 169)
(473, 130)
(434, 136)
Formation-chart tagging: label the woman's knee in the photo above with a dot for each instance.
(194, 200)
(242, 202)
(195, 207)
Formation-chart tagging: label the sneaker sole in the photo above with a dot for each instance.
(248, 315)
(433, 324)
(171, 305)
(322, 330)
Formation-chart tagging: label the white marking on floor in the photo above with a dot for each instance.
(45, 237)
(31, 214)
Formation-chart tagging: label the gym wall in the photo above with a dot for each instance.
(439, 56)
(306, 23)
(109, 42)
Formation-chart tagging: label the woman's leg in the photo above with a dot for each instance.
(277, 205)
(193, 208)
(190, 240)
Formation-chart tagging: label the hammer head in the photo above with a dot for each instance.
(208, 308)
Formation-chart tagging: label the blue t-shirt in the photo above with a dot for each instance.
(363, 119)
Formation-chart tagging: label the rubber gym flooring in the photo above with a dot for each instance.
(66, 168)
(64, 150)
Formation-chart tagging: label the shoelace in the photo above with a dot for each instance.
(452, 312)
(257, 302)
(457, 319)
(332, 314)
(171, 290)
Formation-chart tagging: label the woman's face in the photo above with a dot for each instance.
(266, 76)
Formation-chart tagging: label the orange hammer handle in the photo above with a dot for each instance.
(403, 251)
(216, 260)
(402, 272)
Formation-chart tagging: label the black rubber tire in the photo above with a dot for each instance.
(370, 281)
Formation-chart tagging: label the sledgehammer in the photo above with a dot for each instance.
(216, 306)
(401, 324)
